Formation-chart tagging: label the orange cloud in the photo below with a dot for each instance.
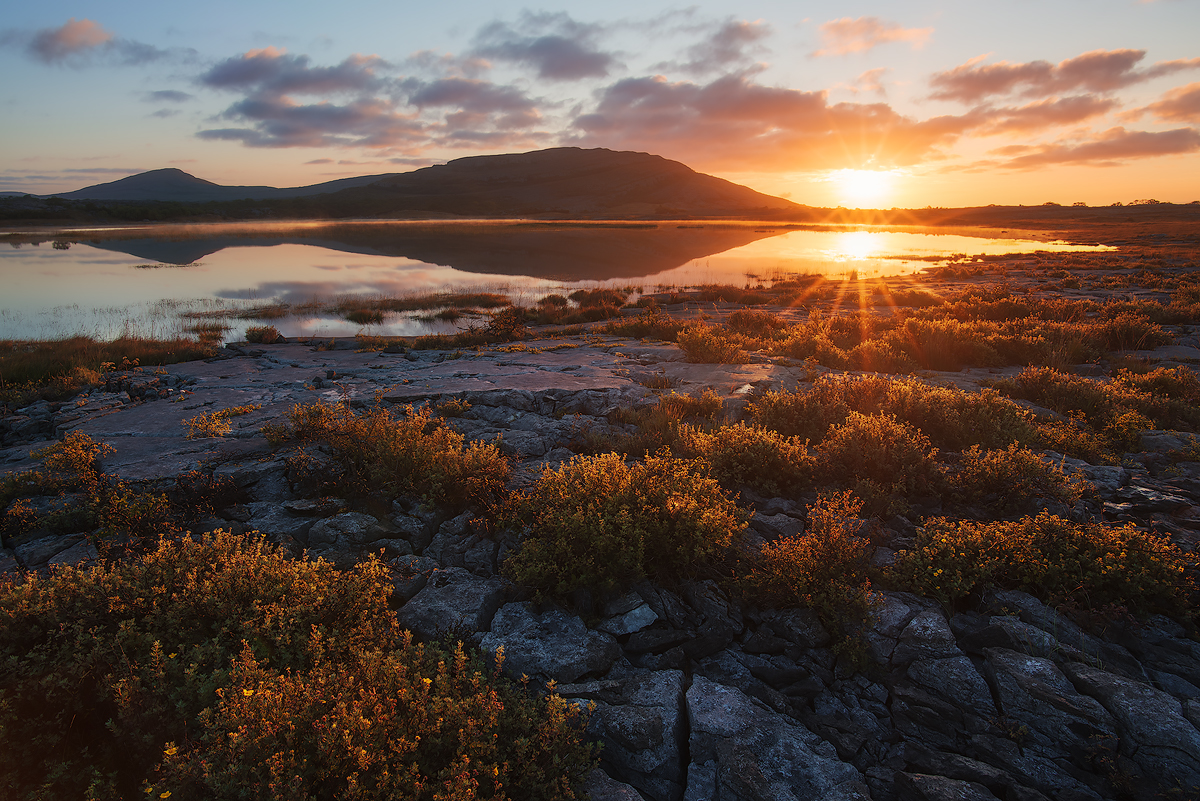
(1095, 71)
(54, 45)
(1110, 148)
(846, 35)
(1181, 104)
(1040, 115)
(736, 124)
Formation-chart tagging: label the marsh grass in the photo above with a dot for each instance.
(58, 369)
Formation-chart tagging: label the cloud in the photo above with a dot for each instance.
(81, 42)
(281, 122)
(1181, 104)
(1039, 115)
(167, 96)
(729, 44)
(163, 113)
(274, 71)
(1112, 147)
(734, 123)
(558, 47)
(320, 161)
(54, 45)
(1095, 71)
(476, 100)
(844, 36)
(871, 81)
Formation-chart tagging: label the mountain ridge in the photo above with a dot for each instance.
(566, 181)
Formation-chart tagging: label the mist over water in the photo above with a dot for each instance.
(146, 281)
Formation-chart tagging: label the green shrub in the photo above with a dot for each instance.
(600, 524)
(1009, 478)
(1086, 565)
(827, 568)
(414, 454)
(221, 669)
(738, 455)
(882, 450)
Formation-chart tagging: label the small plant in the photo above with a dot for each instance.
(216, 424)
(1087, 565)
(882, 450)
(454, 407)
(709, 344)
(827, 568)
(741, 455)
(263, 335)
(414, 454)
(600, 524)
(1012, 478)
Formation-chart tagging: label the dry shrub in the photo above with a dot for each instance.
(880, 449)
(708, 344)
(827, 568)
(1090, 566)
(414, 454)
(1011, 479)
(599, 524)
(652, 323)
(741, 455)
(223, 669)
(755, 323)
(263, 334)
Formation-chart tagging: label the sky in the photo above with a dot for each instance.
(860, 104)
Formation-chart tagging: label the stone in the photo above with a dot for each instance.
(777, 526)
(927, 636)
(633, 620)
(82, 551)
(1154, 733)
(601, 787)
(939, 788)
(410, 573)
(655, 641)
(452, 600)
(744, 750)
(275, 520)
(552, 644)
(35, 553)
(801, 627)
(353, 529)
(1033, 692)
(957, 681)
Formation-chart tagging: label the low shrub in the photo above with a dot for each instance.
(880, 449)
(652, 323)
(708, 344)
(413, 454)
(742, 455)
(263, 334)
(588, 298)
(599, 524)
(755, 323)
(222, 669)
(1089, 566)
(658, 424)
(827, 568)
(216, 424)
(1011, 478)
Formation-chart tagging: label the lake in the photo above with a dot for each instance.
(157, 280)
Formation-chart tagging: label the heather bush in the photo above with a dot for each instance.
(752, 322)
(221, 669)
(827, 568)
(707, 344)
(599, 524)
(657, 424)
(1089, 566)
(413, 454)
(1009, 479)
(652, 323)
(880, 449)
(742, 455)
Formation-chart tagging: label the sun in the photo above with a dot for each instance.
(863, 188)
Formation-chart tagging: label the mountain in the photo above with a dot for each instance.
(559, 182)
(177, 185)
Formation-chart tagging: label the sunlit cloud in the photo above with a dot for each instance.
(81, 42)
(1109, 148)
(1181, 104)
(736, 123)
(556, 46)
(871, 82)
(1039, 116)
(275, 71)
(844, 36)
(732, 43)
(1095, 71)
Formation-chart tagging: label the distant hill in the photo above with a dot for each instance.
(177, 185)
(560, 182)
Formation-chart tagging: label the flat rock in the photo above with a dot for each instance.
(551, 644)
(452, 600)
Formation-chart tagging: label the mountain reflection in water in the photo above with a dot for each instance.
(549, 252)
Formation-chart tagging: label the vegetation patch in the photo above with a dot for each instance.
(599, 524)
(414, 454)
(221, 669)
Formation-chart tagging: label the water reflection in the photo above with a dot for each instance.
(93, 286)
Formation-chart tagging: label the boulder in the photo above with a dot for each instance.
(552, 644)
(740, 749)
(452, 600)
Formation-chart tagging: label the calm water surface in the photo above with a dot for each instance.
(146, 281)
